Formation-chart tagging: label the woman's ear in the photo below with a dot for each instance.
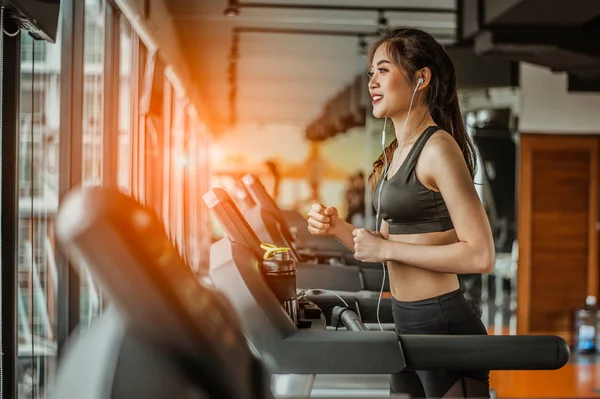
(425, 75)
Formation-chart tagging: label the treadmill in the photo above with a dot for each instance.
(321, 249)
(307, 346)
(166, 334)
(318, 280)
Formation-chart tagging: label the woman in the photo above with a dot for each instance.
(433, 223)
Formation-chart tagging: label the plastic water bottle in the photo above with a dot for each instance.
(585, 326)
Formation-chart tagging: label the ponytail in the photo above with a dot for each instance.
(456, 128)
(445, 111)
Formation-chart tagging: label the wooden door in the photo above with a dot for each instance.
(558, 237)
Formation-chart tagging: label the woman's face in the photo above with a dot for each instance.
(389, 86)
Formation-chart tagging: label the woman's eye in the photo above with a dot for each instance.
(380, 70)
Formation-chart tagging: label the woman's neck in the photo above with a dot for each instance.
(419, 119)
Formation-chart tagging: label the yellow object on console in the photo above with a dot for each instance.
(271, 249)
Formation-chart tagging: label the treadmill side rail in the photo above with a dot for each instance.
(339, 352)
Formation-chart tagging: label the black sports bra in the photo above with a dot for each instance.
(406, 204)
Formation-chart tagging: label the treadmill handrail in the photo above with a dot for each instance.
(375, 352)
(485, 352)
(339, 352)
(348, 318)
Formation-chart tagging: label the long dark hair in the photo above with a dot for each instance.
(413, 49)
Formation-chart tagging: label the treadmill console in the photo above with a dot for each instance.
(262, 198)
(240, 258)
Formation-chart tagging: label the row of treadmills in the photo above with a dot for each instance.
(170, 334)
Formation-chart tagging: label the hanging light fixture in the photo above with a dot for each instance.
(382, 23)
(233, 9)
(362, 45)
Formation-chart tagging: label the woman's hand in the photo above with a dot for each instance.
(369, 246)
(323, 220)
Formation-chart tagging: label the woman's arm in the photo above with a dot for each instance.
(445, 169)
(343, 233)
(325, 221)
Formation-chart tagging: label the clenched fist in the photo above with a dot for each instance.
(369, 246)
(322, 220)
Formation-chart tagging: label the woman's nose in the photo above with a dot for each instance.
(373, 82)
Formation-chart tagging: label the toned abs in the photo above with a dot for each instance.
(409, 283)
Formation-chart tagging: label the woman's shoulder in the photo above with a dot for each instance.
(440, 149)
(440, 140)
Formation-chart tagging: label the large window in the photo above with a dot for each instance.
(38, 199)
(163, 158)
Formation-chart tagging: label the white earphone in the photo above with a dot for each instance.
(419, 82)
(411, 102)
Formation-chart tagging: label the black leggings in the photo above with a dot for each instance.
(446, 314)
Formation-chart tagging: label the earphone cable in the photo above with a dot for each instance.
(386, 170)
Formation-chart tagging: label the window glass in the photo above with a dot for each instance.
(1, 91)
(191, 193)
(93, 92)
(39, 123)
(92, 135)
(125, 101)
(178, 163)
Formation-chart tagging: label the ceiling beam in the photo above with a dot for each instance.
(430, 10)
(316, 32)
(320, 32)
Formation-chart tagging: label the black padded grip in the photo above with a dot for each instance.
(481, 352)
(348, 318)
(338, 352)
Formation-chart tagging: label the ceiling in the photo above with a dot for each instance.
(563, 37)
(282, 77)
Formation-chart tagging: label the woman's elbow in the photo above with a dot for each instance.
(484, 259)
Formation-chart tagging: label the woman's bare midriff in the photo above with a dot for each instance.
(409, 283)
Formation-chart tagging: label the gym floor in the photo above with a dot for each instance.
(578, 379)
(575, 380)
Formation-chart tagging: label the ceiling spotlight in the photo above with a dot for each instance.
(362, 45)
(233, 9)
(382, 23)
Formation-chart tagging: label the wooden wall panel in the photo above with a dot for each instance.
(558, 240)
